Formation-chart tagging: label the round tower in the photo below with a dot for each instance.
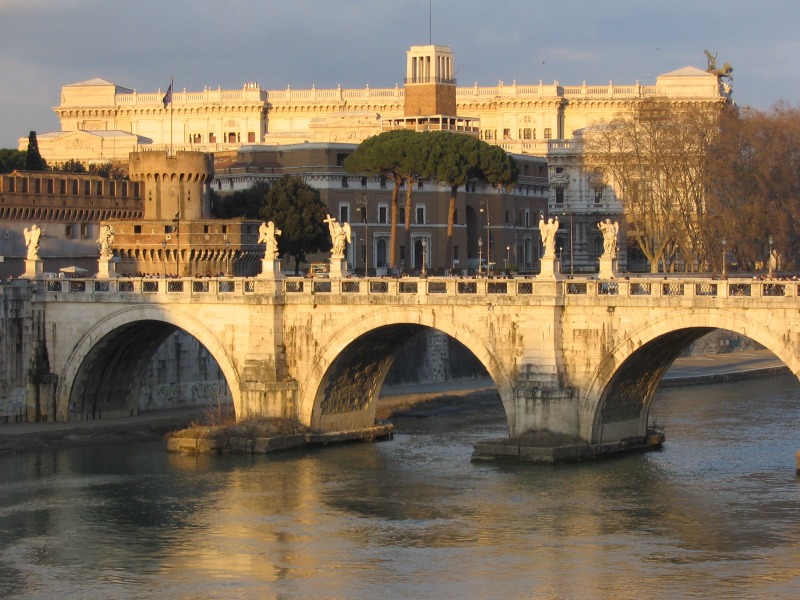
(174, 185)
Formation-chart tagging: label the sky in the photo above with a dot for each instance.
(143, 44)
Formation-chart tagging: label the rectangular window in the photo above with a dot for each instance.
(344, 213)
(212, 138)
(507, 213)
(526, 133)
(206, 229)
(69, 231)
(340, 158)
(402, 252)
(37, 186)
(62, 186)
(99, 188)
(383, 182)
(84, 230)
(137, 229)
(344, 181)
(527, 218)
(224, 229)
(232, 137)
(455, 253)
(598, 195)
(420, 215)
(506, 134)
(401, 214)
(455, 217)
(251, 137)
(112, 188)
(49, 186)
(559, 195)
(548, 133)
(87, 191)
(420, 185)
(24, 185)
(364, 183)
(383, 213)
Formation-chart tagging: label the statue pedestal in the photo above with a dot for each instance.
(270, 269)
(106, 268)
(551, 268)
(608, 268)
(338, 268)
(34, 269)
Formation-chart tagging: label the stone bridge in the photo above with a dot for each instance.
(576, 356)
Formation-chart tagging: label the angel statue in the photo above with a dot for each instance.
(610, 234)
(340, 236)
(548, 232)
(32, 238)
(268, 235)
(105, 240)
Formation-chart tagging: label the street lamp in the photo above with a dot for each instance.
(508, 256)
(177, 223)
(770, 265)
(724, 266)
(480, 255)
(361, 201)
(485, 206)
(228, 258)
(164, 257)
(424, 273)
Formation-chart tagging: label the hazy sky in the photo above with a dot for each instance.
(141, 44)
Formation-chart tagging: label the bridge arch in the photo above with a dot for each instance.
(111, 356)
(621, 389)
(340, 388)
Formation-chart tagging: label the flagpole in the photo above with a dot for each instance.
(171, 105)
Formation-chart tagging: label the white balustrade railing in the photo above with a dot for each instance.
(672, 288)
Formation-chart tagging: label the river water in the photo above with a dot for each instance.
(716, 513)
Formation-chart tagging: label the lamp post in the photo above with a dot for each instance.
(228, 258)
(770, 265)
(508, 256)
(361, 201)
(164, 257)
(480, 255)
(485, 207)
(424, 273)
(724, 266)
(177, 222)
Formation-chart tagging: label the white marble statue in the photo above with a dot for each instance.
(610, 235)
(548, 232)
(32, 238)
(268, 235)
(105, 240)
(340, 236)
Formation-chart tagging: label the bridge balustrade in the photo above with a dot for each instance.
(705, 289)
(378, 287)
(672, 287)
(467, 287)
(739, 290)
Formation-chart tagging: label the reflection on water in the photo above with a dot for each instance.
(712, 514)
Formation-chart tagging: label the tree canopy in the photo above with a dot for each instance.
(33, 159)
(297, 210)
(11, 160)
(655, 156)
(453, 159)
(754, 186)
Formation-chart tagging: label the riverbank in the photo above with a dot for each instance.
(396, 403)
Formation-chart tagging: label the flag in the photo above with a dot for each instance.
(168, 96)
